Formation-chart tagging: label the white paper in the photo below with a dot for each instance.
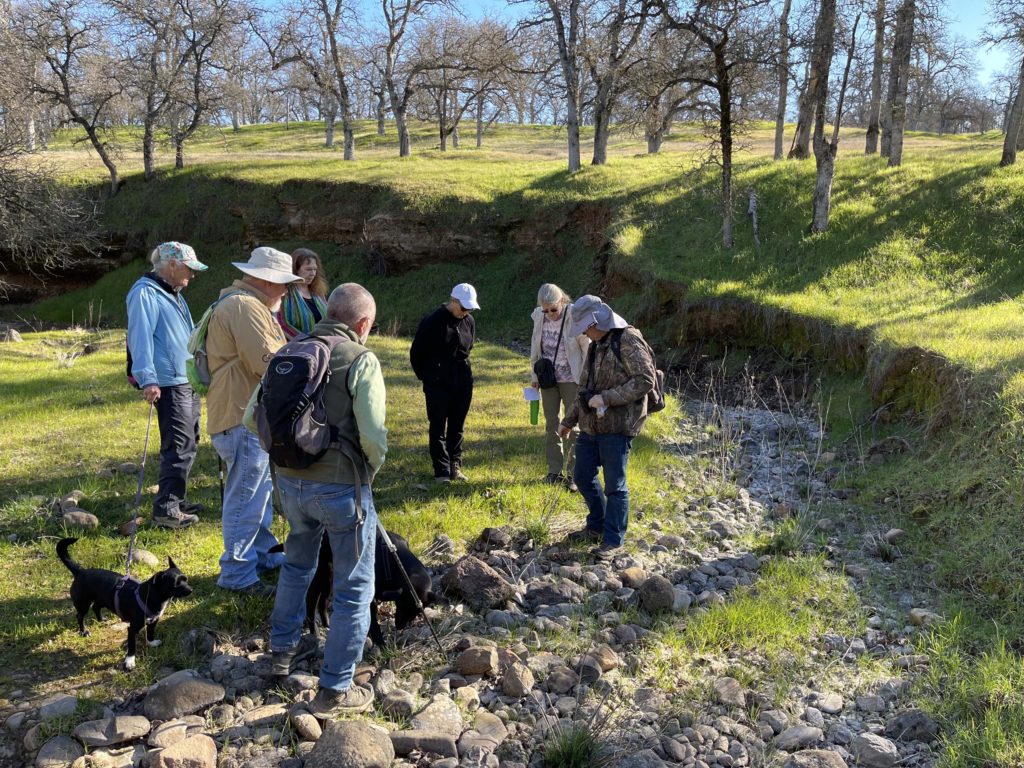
(531, 393)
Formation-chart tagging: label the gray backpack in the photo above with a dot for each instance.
(290, 415)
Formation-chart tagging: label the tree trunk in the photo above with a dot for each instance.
(654, 139)
(875, 105)
(783, 76)
(404, 145)
(902, 48)
(824, 153)
(801, 149)
(1015, 119)
(179, 152)
(380, 113)
(148, 150)
(602, 120)
(455, 137)
(329, 129)
(30, 135)
(722, 76)
(567, 59)
(480, 120)
(234, 121)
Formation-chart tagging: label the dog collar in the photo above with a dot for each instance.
(127, 583)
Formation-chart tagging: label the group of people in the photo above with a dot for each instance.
(594, 371)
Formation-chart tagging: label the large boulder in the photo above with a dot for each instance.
(59, 752)
(351, 744)
(476, 584)
(657, 594)
(181, 693)
(441, 715)
(112, 730)
(479, 660)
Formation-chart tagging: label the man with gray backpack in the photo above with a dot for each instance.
(319, 412)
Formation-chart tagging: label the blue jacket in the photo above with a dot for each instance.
(159, 325)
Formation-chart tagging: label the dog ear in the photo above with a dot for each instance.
(170, 562)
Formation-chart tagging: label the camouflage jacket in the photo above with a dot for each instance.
(623, 385)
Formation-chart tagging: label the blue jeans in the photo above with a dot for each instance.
(313, 508)
(608, 510)
(246, 511)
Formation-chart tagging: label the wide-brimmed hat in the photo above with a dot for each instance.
(269, 264)
(466, 294)
(590, 310)
(175, 251)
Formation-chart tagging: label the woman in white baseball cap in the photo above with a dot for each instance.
(440, 359)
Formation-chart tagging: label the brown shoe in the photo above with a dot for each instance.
(584, 536)
(328, 703)
(606, 552)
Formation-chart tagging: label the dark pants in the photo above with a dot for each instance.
(177, 412)
(447, 407)
(608, 510)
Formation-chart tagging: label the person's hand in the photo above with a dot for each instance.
(564, 431)
(151, 393)
(596, 402)
(534, 383)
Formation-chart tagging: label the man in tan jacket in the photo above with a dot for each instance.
(243, 335)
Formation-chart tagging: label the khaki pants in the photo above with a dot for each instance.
(555, 401)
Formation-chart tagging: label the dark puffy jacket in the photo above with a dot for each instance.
(440, 350)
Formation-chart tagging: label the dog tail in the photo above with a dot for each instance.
(62, 553)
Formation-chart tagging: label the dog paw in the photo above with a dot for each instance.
(85, 633)
(129, 663)
(153, 643)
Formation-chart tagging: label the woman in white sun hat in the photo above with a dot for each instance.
(243, 335)
(440, 359)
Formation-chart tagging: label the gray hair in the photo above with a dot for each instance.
(349, 303)
(159, 265)
(550, 293)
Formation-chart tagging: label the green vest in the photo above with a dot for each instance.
(340, 463)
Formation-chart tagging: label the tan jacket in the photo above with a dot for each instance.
(243, 336)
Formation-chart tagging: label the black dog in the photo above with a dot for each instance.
(139, 604)
(389, 586)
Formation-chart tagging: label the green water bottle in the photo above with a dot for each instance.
(535, 412)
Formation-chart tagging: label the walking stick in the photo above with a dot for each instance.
(138, 493)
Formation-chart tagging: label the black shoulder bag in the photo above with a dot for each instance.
(544, 369)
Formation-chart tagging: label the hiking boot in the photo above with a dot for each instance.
(459, 476)
(282, 662)
(442, 479)
(257, 589)
(328, 703)
(175, 518)
(570, 485)
(584, 536)
(192, 507)
(606, 552)
(553, 478)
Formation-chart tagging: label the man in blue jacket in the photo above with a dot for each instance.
(159, 325)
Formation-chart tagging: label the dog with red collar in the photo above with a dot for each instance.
(140, 604)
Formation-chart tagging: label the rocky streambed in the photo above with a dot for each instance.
(546, 650)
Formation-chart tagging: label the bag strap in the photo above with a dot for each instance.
(561, 328)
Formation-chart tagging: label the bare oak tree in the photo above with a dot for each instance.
(877, 64)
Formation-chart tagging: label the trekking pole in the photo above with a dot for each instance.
(138, 493)
(408, 582)
(220, 474)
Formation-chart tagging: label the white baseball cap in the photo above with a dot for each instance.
(466, 295)
(269, 264)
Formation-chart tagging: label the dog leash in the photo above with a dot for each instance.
(138, 495)
(383, 536)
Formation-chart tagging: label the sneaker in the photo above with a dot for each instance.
(584, 535)
(192, 507)
(552, 478)
(282, 662)
(459, 476)
(606, 552)
(328, 702)
(571, 486)
(175, 518)
(257, 589)
(442, 479)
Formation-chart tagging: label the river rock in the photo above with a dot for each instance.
(477, 661)
(112, 730)
(58, 752)
(145, 557)
(351, 744)
(306, 726)
(477, 584)
(798, 737)
(875, 751)
(405, 742)
(562, 680)
(517, 681)
(487, 733)
(633, 576)
(606, 658)
(441, 715)
(166, 734)
(11, 335)
(79, 518)
(398, 704)
(815, 758)
(267, 716)
(729, 692)
(657, 594)
(912, 725)
(197, 751)
(181, 693)
(645, 758)
(830, 703)
(922, 617)
(60, 705)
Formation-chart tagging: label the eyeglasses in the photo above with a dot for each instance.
(553, 311)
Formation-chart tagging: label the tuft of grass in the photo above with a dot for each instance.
(573, 746)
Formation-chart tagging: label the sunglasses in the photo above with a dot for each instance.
(554, 311)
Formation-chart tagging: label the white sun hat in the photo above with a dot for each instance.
(269, 264)
(466, 295)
